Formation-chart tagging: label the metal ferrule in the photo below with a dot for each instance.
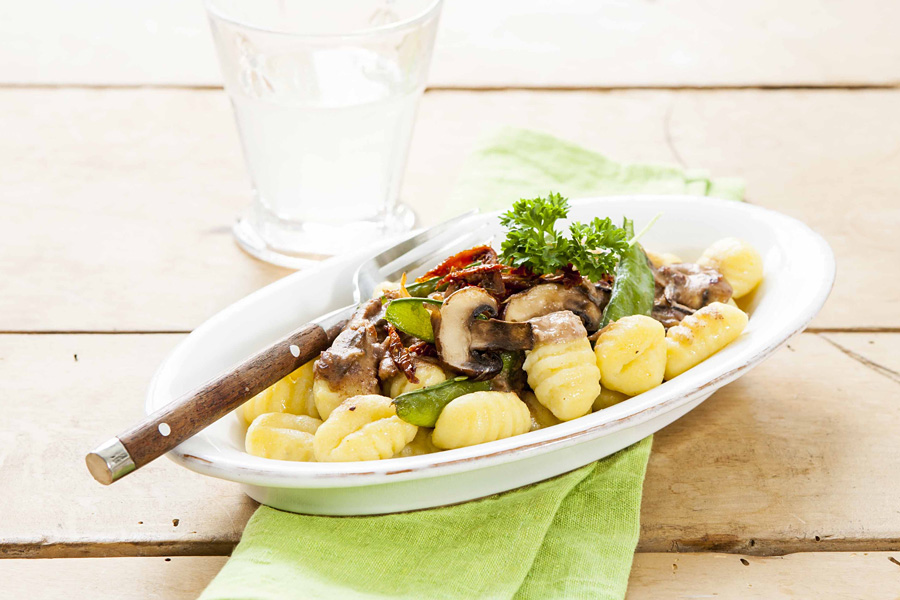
(109, 461)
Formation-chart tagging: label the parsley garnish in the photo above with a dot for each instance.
(532, 240)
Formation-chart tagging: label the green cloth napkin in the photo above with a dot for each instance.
(519, 163)
(567, 538)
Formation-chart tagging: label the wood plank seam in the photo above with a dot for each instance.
(720, 544)
(871, 364)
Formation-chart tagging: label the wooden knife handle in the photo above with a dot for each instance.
(186, 416)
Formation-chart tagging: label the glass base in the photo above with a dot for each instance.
(298, 245)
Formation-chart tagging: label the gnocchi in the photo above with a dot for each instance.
(701, 335)
(327, 399)
(563, 374)
(282, 436)
(480, 417)
(737, 261)
(292, 394)
(540, 415)
(362, 428)
(427, 373)
(421, 444)
(631, 354)
(663, 259)
(608, 398)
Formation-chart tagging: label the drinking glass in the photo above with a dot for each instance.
(325, 95)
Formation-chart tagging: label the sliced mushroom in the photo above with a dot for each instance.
(670, 315)
(683, 288)
(691, 285)
(583, 300)
(469, 344)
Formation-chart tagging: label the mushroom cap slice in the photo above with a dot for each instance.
(692, 285)
(468, 344)
(547, 298)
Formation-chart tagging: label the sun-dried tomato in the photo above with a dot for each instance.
(487, 277)
(483, 254)
(422, 349)
(519, 279)
(400, 355)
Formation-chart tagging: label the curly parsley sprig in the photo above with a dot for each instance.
(532, 240)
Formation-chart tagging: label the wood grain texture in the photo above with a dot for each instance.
(65, 394)
(765, 466)
(500, 43)
(159, 578)
(191, 413)
(801, 454)
(654, 576)
(117, 216)
(832, 575)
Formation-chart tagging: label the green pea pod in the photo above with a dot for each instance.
(632, 292)
(423, 288)
(410, 316)
(423, 407)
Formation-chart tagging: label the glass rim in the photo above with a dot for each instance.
(390, 27)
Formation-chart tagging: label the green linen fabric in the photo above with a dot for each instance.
(520, 163)
(570, 537)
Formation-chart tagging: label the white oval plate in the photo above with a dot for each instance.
(799, 271)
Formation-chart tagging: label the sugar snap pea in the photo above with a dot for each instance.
(423, 407)
(421, 289)
(409, 315)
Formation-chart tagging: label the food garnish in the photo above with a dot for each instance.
(533, 241)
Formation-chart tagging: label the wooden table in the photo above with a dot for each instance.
(121, 174)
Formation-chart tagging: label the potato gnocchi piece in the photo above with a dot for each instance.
(662, 259)
(480, 417)
(737, 261)
(421, 444)
(608, 398)
(540, 415)
(631, 354)
(291, 394)
(427, 373)
(326, 399)
(362, 428)
(564, 376)
(701, 335)
(282, 436)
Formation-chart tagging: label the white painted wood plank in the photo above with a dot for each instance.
(500, 43)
